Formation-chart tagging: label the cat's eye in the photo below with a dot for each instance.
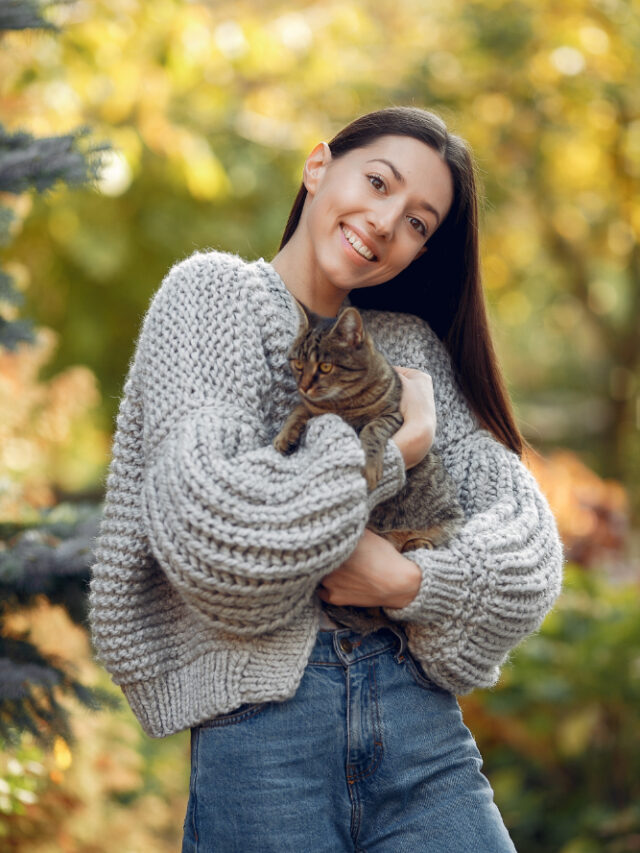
(297, 363)
(325, 367)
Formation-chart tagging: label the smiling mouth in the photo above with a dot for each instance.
(357, 244)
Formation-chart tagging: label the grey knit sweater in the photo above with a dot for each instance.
(212, 544)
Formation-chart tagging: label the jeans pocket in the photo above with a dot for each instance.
(243, 712)
(419, 675)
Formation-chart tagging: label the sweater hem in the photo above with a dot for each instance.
(179, 699)
(219, 681)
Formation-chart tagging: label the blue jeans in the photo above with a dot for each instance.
(368, 756)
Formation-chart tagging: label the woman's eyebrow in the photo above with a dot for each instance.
(400, 179)
(396, 173)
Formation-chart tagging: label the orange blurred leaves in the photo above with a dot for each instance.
(47, 437)
(592, 513)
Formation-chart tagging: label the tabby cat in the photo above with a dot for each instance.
(338, 369)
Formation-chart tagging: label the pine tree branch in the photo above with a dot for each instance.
(26, 161)
(53, 561)
(7, 218)
(38, 562)
(24, 15)
(14, 332)
(29, 683)
(8, 293)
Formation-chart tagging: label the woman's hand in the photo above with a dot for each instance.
(375, 575)
(418, 408)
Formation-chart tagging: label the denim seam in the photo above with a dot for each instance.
(194, 818)
(378, 748)
(351, 662)
(232, 719)
(399, 655)
(372, 654)
(377, 726)
(354, 796)
(420, 679)
(348, 713)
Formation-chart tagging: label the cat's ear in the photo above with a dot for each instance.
(348, 327)
(304, 316)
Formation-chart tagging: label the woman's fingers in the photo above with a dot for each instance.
(417, 407)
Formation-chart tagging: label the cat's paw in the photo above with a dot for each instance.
(373, 472)
(416, 542)
(407, 540)
(283, 445)
(431, 537)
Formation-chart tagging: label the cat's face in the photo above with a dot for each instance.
(330, 363)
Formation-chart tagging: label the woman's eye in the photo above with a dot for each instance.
(418, 225)
(376, 181)
(297, 364)
(325, 367)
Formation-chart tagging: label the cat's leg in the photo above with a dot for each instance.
(289, 436)
(373, 437)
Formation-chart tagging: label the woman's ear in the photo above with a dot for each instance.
(315, 166)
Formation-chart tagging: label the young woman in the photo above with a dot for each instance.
(216, 554)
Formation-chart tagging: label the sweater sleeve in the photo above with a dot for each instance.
(243, 533)
(495, 581)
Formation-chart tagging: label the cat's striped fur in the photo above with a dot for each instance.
(339, 369)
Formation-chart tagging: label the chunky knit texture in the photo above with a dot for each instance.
(211, 544)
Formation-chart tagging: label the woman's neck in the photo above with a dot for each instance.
(300, 279)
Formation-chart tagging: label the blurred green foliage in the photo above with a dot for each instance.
(560, 734)
(22, 778)
(212, 107)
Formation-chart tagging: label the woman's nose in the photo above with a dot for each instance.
(383, 220)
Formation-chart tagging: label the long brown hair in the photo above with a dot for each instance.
(444, 285)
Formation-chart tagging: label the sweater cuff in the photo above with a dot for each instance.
(393, 478)
(443, 591)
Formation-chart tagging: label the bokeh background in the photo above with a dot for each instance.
(209, 109)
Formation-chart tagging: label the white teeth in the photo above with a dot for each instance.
(357, 244)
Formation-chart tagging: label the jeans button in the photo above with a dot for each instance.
(346, 645)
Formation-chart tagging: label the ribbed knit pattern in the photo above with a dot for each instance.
(212, 544)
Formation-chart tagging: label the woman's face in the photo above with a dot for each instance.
(370, 212)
